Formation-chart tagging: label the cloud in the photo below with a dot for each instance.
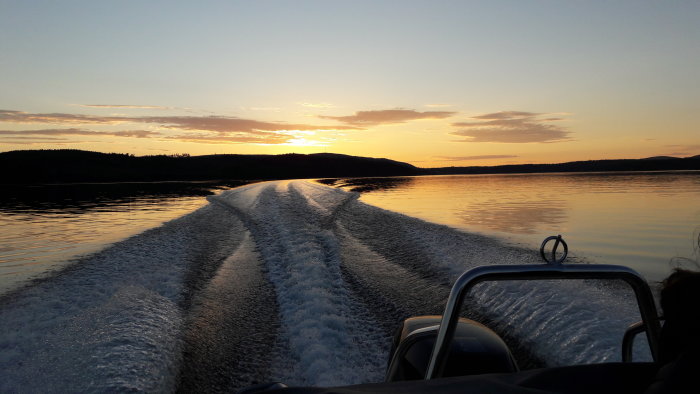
(482, 157)
(24, 140)
(133, 133)
(36, 138)
(57, 118)
(317, 105)
(266, 139)
(438, 105)
(506, 115)
(270, 109)
(683, 150)
(512, 127)
(387, 116)
(684, 147)
(123, 106)
(230, 125)
(74, 131)
(219, 124)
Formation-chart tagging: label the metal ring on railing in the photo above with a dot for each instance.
(558, 240)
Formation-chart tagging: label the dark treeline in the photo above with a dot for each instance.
(56, 166)
(61, 166)
(649, 164)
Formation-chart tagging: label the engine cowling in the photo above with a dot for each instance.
(475, 349)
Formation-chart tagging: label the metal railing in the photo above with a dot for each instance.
(554, 269)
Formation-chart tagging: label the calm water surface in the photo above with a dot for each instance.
(46, 227)
(642, 220)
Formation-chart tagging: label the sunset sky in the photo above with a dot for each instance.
(432, 83)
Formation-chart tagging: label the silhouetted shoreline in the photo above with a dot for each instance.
(77, 166)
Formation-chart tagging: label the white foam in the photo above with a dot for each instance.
(564, 322)
(320, 322)
(112, 322)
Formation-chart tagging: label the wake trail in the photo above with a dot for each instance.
(325, 332)
(114, 320)
(231, 326)
(562, 322)
(286, 281)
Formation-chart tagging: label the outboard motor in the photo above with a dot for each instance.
(475, 349)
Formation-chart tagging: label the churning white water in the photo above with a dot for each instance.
(285, 280)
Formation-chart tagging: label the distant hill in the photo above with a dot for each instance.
(66, 165)
(662, 163)
(55, 166)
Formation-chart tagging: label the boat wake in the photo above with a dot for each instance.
(289, 281)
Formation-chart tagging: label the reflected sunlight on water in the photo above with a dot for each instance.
(637, 219)
(45, 228)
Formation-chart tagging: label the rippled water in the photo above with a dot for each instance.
(45, 227)
(642, 220)
(280, 281)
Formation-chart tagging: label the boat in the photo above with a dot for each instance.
(453, 354)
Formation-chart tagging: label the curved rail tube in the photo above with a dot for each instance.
(645, 299)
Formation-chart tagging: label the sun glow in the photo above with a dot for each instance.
(370, 86)
(302, 138)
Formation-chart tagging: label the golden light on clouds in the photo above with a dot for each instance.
(317, 105)
(463, 83)
(512, 127)
(426, 138)
(387, 116)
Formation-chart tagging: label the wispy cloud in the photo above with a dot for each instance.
(683, 150)
(57, 118)
(133, 133)
(128, 106)
(387, 116)
(33, 140)
(317, 105)
(38, 136)
(512, 127)
(75, 131)
(197, 129)
(218, 124)
(688, 147)
(267, 109)
(438, 105)
(266, 139)
(230, 125)
(482, 157)
(504, 115)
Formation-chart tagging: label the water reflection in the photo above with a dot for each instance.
(641, 220)
(46, 227)
(71, 199)
(516, 217)
(364, 185)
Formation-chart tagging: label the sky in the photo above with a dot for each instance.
(431, 83)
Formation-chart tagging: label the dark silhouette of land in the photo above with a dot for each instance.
(65, 166)
(659, 163)
(61, 166)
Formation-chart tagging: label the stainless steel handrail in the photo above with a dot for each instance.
(628, 339)
(406, 344)
(554, 270)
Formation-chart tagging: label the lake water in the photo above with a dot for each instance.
(640, 220)
(224, 297)
(45, 227)
(643, 220)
